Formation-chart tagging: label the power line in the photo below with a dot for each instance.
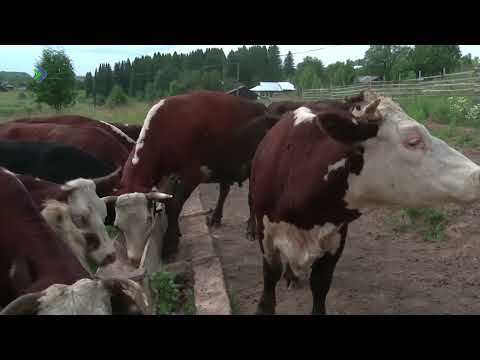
(312, 50)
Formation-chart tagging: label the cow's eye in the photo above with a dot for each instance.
(414, 143)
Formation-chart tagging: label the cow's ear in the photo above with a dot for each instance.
(343, 127)
(66, 191)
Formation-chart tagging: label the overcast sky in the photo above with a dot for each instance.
(88, 57)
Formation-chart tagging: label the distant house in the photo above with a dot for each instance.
(270, 88)
(243, 91)
(3, 88)
(368, 79)
(22, 88)
(7, 86)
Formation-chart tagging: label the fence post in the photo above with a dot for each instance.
(476, 87)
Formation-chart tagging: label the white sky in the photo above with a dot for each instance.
(88, 57)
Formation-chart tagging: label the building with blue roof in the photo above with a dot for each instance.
(270, 88)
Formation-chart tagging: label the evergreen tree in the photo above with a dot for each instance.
(288, 66)
(88, 84)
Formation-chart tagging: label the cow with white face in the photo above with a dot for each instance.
(321, 167)
(84, 297)
(86, 209)
(139, 217)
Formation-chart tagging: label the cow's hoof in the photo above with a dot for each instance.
(250, 236)
(264, 310)
(169, 255)
(213, 221)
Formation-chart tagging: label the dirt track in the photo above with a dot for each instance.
(383, 270)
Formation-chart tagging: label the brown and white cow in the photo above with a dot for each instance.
(32, 257)
(318, 169)
(200, 136)
(86, 209)
(96, 141)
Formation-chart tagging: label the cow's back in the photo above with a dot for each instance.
(95, 141)
(50, 161)
(77, 120)
(184, 133)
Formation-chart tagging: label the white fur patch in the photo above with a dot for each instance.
(303, 114)
(120, 132)
(78, 183)
(333, 167)
(299, 247)
(85, 297)
(143, 132)
(37, 179)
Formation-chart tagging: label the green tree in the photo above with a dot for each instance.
(117, 97)
(432, 59)
(88, 84)
(58, 88)
(274, 64)
(288, 66)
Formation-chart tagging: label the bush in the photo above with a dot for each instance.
(117, 97)
(21, 96)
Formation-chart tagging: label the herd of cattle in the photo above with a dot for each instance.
(313, 167)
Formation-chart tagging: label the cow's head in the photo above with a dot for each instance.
(85, 297)
(88, 213)
(135, 216)
(57, 215)
(404, 165)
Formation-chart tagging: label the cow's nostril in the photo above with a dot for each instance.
(109, 259)
(135, 262)
(93, 242)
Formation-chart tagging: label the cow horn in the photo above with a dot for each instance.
(109, 199)
(24, 305)
(372, 106)
(157, 196)
(133, 290)
(107, 178)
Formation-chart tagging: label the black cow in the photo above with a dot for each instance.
(50, 161)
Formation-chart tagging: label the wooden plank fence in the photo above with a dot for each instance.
(465, 83)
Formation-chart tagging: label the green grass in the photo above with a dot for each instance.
(431, 222)
(420, 108)
(169, 297)
(112, 231)
(11, 106)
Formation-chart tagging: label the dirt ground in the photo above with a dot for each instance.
(386, 267)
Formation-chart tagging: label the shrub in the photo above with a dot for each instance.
(166, 292)
(21, 96)
(117, 97)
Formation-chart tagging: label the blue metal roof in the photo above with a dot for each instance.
(273, 86)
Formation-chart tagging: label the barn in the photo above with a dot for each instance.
(244, 92)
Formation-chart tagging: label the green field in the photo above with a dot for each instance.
(11, 107)
(435, 109)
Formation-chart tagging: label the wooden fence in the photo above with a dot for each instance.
(465, 83)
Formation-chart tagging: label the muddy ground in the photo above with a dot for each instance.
(388, 267)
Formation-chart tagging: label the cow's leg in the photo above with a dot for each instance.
(188, 180)
(173, 208)
(251, 222)
(322, 274)
(272, 273)
(215, 220)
